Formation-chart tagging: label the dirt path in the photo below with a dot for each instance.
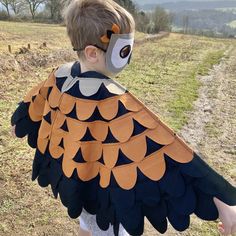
(211, 130)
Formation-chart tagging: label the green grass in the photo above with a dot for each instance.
(187, 92)
(162, 74)
(19, 34)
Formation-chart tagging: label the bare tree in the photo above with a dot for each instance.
(6, 4)
(16, 5)
(128, 4)
(55, 8)
(142, 21)
(161, 20)
(33, 6)
(185, 24)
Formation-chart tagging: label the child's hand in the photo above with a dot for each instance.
(227, 215)
(13, 133)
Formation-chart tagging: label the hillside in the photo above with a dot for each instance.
(142, 2)
(164, 74)
(216, 22)
(186, 4)
(198, 17)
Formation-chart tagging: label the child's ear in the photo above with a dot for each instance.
(91, 54)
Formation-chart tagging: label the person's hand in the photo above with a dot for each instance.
(227, 215)
(13, 131)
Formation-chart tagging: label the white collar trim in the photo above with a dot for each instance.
(87, 86)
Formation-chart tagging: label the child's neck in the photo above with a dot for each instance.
(84, 68)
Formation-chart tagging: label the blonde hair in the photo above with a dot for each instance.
(88, 20)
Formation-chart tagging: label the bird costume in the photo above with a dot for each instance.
(100, 148)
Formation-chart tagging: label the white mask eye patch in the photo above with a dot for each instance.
(119, 52)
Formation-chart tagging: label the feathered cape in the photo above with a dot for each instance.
(102, 149)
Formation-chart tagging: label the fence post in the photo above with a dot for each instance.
(9, 48)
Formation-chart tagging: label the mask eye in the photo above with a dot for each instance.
(125, 51)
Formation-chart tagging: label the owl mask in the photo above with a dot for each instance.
(119, 50)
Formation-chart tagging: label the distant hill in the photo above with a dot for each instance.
(215, 17)
(177, 5)
(214, 21)
(144, 2)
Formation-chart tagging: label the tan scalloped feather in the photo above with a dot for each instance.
(33, 92)
(126, 176)
(134, 148)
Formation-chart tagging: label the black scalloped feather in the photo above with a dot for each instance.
(173, 197)
(183, 190)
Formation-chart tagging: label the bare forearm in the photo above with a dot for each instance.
(83, 232)
(227, 215)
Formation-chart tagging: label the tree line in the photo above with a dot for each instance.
(213, 23)
(50, 11)
(21, 9)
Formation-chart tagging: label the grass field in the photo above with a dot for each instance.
(163, 74)
(20, 34)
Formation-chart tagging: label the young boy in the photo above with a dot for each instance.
(112, 160)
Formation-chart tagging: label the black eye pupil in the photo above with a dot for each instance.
(125, 51)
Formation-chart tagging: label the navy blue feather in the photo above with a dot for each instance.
(184, 189)
(205, 207)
